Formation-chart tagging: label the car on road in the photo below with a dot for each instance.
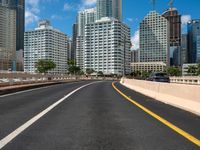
(159, 77)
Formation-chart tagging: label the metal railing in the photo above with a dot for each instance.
(186, 80)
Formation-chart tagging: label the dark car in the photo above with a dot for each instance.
(159, 77)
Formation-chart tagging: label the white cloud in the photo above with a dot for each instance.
(130, 19)
(30, 17)
(67, 7)
(185, 19)
(89, 2)
(32, 11)
(135, 40)
(86, 4)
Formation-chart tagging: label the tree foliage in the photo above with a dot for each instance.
(192, 70)
(72, 68)
(173, 71)
(44, 65)
(89, 71)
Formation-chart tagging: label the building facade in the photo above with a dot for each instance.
(45, 42)
(7, 37)
(109, 8)
(193, 41)
(107, 47)
(148, 66)
(134, 56)
(154, 39)
(184, 49)
(174, 19)
(84, 17)
(74, 37)
(104, 8)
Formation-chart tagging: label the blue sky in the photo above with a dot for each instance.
(62, 13)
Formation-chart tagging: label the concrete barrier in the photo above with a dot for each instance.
(183, 96)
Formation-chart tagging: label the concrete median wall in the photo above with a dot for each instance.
(183, 96)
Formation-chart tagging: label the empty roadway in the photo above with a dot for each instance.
(96, 117)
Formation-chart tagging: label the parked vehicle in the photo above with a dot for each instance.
(159, 77)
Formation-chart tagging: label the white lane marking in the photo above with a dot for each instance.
(19, 130)
(20, 92)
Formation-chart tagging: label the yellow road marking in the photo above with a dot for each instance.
(162, 120)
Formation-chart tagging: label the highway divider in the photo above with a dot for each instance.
(186, 97)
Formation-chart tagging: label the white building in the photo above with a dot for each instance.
(148, 66)
(107, 47)
(154, 39)
(185, 68)
(45, 42)
(84, 17)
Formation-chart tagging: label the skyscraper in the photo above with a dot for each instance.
(109, 8)
(193, 41)
(7, 36)
(107, 47)
(104, 8)
(184, 49)
(117, 9)
(154, 39)
(74, 37)
(16, 6)
(174, 19)
(84, 17)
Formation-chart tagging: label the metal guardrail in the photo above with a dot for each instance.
(186, 80)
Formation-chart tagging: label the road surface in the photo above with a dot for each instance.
(91, 115)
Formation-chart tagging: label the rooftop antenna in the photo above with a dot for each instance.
(153, 4)
(171, 3)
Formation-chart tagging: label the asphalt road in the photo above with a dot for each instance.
(95, 117)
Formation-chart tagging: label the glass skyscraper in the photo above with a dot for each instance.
(109, 8)
(193, 41)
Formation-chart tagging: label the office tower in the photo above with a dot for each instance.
(184, 49)
(18, 7)
(193, 41)
(107, 47)
(45, 42)
(174, 19)
(84, 17)
(117, 9)
(7, 37)
(154, 39)
(104, 8)
(134, 56)
(74, 37)
(109, 8)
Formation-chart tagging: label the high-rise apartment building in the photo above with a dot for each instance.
(7, 37)
(109, 8)
(154, 38)
(84, 17)
(107, 47)
(45, 42)
(174, 19)
(193, 41)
